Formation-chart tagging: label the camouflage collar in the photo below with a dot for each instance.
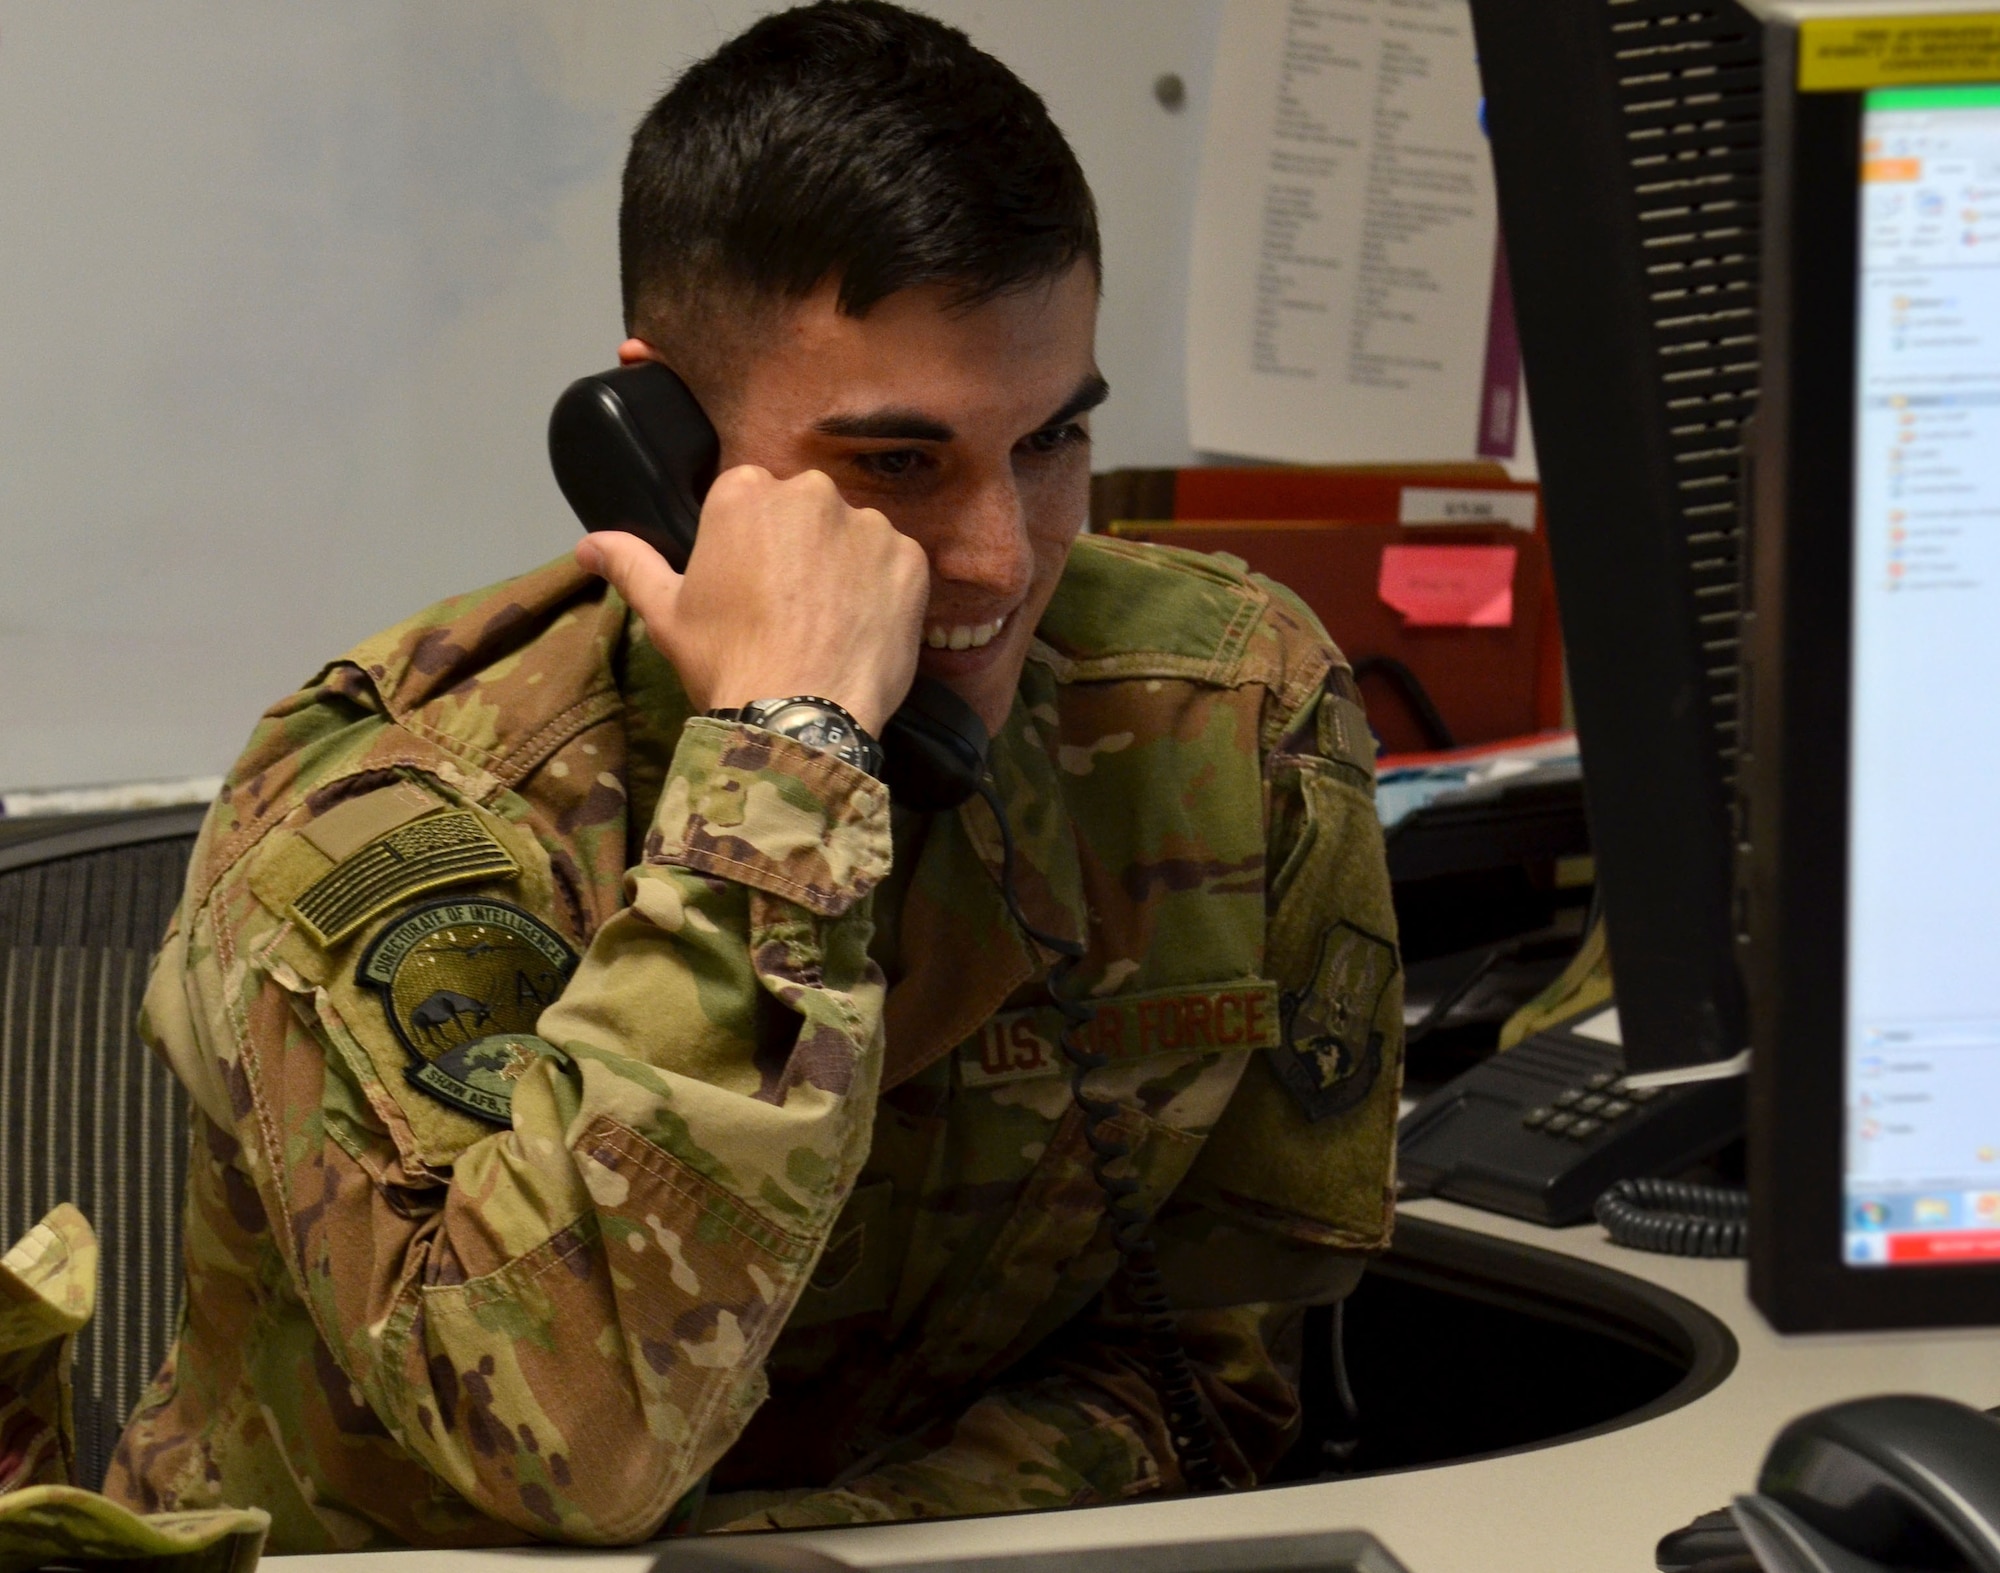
(1047, 874)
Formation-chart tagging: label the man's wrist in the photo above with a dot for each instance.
(815, 722)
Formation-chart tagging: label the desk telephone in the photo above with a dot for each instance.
(1542, 1130)
(1898, 1482)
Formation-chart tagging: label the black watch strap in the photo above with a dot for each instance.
(817, 723)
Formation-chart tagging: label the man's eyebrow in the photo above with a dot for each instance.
(1090, 393)
(906, 425)
(891, 424)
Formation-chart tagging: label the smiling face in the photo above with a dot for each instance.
(968, 428)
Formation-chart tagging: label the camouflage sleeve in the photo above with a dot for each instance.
(1082, 1426)
(568, 1322)
(1304, 1155)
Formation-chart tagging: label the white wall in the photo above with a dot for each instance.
(286, 291)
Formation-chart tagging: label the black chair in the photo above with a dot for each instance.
(87, 1114)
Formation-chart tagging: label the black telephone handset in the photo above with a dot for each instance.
(1899, 1482)
(633, 451)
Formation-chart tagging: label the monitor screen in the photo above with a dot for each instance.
(1922, 1050)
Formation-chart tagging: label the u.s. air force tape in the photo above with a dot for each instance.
(1018, 1044)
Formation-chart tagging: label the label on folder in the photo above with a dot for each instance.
(1449, 586)
(1466, 505)
(1845, 55)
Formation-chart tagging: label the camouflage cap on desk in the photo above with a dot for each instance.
(68, 1525)
(48, 1288)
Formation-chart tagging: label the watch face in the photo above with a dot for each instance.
(811, 725)
(818, 724)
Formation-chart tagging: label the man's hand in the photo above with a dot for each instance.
(788, 591)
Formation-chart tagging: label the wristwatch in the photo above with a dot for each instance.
(817, 723)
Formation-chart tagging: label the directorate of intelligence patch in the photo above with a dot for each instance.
(1331, 1053)
(463, 983)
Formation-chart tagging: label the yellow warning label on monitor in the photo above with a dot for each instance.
(1849, 54)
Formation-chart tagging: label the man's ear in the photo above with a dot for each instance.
(634, 352)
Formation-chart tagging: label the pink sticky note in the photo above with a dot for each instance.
(1449, 586)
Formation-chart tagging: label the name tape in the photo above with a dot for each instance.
(1017, 1045)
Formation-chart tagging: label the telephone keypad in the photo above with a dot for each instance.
(1580, 1112)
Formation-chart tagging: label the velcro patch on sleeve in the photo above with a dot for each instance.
(346, 828)
(1333, 1048)
(1343, 729)
(1016, 1045)
(417, 855)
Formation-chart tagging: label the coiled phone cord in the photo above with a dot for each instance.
(1676, 1218)
(1165, 1356)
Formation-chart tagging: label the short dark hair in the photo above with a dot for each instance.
(850, 140)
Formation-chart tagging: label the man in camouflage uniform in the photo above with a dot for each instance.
(613, 1116)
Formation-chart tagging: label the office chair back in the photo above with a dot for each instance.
(87, 1114)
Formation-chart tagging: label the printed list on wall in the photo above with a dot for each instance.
(1349, 299)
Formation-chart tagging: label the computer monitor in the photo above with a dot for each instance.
(1626, 144)
(1872, 869)
(1625, 139)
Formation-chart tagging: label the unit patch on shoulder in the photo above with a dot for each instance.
(463, 983)
(426, 853)
(1331, 1053)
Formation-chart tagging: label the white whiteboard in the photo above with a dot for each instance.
(286, 292)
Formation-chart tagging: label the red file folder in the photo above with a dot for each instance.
(1323, 533)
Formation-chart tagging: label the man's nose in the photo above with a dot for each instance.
(983, 543)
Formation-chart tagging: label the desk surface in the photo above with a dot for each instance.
(1592, 1506)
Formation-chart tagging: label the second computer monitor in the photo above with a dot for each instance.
(1873, 868)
